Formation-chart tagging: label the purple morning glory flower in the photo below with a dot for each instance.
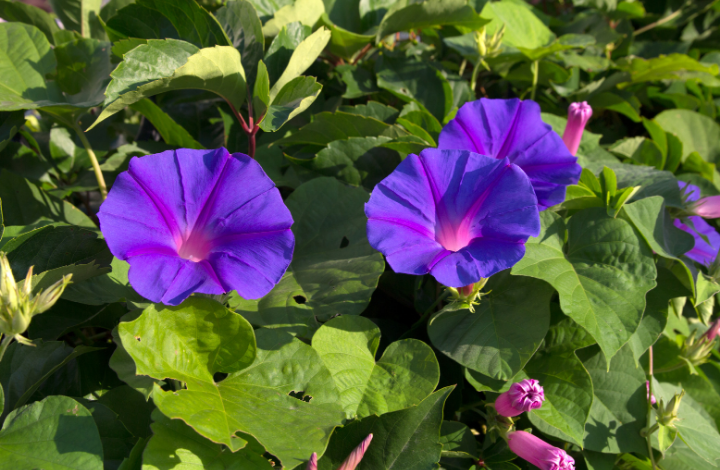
(198, 221)
(538, 452)
(513, 129)
(454, 214)
(705, 249)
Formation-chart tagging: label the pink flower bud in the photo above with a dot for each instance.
(522, 396)
(578, 116)
(651, 398)
(713, 331)
(356, 455)
(707, 207)
(312, 463)
(538, 452)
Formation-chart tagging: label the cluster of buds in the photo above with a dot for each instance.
(523, 397)
(351, 462)
(469, 295)
(696, 351)
(18, 304)
(488, 47)
(667, 414)
(578, 116)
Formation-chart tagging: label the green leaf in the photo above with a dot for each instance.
(122, 363)
(117, 442)
(359, 161)
(489, 340)
(415, 80)
(294, 98)
(404, 16)
(697, 133)
(172, 133)
(563, 43)
(25, 368)
(327, 127)
(522, 28)
(65, 316)
(603, 276)
(24, 203)
(79, 15)
(568, 395)
(217, 69)
(50, 247)
(107, 288)
(14, 11)
(373, 109)
(306, 12)
(620, 102)
(261, 92)
(168, 19)
(10, 124)
(303, 57)
(131, 407)
(334, 268)
(404, 376)
(209, 339)
(666, 67)
(344, 43)
(54, 434)
(83, 70)
(695, 427)
(358, 80)
(457, 437)
(651, 181)
(174, 444)
(282, 47)
(619, 407)
(402, 440)
(240, 21)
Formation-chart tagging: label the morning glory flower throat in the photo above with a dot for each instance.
(198, 221)
(455, 214)
(513, 129)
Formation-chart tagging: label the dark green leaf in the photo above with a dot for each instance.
(54, 434)
(242, 25)
(172, 132)
(402, 440)
(29, 14)
(603, 276)
(489, 340)
(334, 268)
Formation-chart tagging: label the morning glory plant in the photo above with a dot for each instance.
(514, 129)
(455, 214)
(198, 221)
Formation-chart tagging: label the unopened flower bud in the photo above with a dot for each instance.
(8, 289)
(578, 116)
(49, 296)
(469, 294)
(650, 397)
(713, 331)
(312, 463)
(668, 414)
(707, 207)
(696, 351)
(538, 452)
(522, 397)
(356, 455)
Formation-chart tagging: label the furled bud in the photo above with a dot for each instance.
(668, 414)
(707, 207)
(538, 452)
(312, 463)
(523, 396)
(713, 331)
(18, 305)
(650, 397)
(696, 351)
(356, 455)
(578, 116)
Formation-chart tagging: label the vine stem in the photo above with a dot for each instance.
(536, 72)
(657, 23)
(648, 437)
(93, 159)
(250, 129)
(4, 345)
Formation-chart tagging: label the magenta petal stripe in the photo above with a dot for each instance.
(455, 214)
(198, 221)
(514, 129)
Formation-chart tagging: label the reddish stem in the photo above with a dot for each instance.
(362, 53)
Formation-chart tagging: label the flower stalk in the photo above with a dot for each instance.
(93, 159)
